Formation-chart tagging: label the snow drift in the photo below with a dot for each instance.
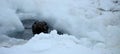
(50, 44)
(96, 22)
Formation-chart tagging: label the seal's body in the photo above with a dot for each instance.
(39, 27)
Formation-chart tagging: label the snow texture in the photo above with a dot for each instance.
(50, 44)
(90, 26)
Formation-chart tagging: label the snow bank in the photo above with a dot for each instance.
(58, 44)
(10, 11)
(95, 22)
(91, 18)
(94, 19)
(50, 44)
(6, 41)
(10, 20)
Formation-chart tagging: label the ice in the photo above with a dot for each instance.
(50, 43)
(91, 26)
(6, 41)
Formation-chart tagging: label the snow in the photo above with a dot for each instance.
(89, 26)
(50, 43)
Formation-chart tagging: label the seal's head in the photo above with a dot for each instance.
(39, 26)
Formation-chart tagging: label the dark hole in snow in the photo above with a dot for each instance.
(27, 33)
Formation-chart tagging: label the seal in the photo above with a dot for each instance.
(39, 26)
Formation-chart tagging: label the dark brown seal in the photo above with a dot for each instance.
(39, 26)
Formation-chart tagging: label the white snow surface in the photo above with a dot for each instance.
(93, 26)
(51, 44)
